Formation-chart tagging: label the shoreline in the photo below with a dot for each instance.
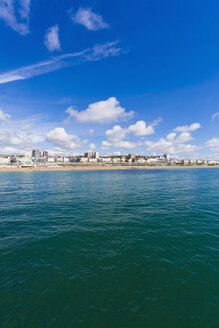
(99, 168)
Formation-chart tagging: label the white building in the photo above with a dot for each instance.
(141, 160)
(152, 160)
(116, 160)
(96, 155)
(193, 161)
(59, 159)
(5, 160)
(24, 160)
(83, 160)
(166, 156)
(105, 159)
(51, 159)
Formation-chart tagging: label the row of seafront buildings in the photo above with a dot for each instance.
(43, 159)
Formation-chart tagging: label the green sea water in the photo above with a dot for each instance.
(132, 248)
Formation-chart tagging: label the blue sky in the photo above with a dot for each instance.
(115, 77)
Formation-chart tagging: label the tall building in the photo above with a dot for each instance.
(36, 153)
(87, 155)
(166, 156)
(132, 157)
(96, 155)
(45, 154)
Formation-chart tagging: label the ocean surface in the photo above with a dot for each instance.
(132, 248)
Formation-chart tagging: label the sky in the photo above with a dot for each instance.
(116, 77)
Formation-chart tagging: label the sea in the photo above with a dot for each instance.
(120, 248)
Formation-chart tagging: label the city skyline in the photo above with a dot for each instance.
(113, 78)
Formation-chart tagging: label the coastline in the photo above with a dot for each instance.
(99, 168)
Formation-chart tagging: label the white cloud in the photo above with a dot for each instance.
(4, 116)
(215, 115)
(174, 144)
(171, 136)
(184, 137)
(52, 38)
(213, 144)
(8, 138)
(62, 140)
(92, 146)
(115, 138)
(165, 146)
(16, 138)
(91, 131)
(8, 14)
(187, 128)
(96, 53)
(89, 19)
(104, 111)
(116, 135)
(139, 129)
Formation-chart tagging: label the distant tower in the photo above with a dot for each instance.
(132, 157)
(96, 155)
(166, 156)
(36, 153)
(87, 155)
(45, 154)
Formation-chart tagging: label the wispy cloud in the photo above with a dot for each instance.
(4, 116)
(52, 38)
(25, 8)
(18, 20)
(188, 128)
(89, 19)
(96, 53)
(215, 115)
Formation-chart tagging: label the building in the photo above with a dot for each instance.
(96, 155)
(23, 160)
(51, 159)
(116, 160)
(83, 160)
(152, 160)
(123, 159)
(166, 156)
(5, 160)
(141, 160)
(105, 159)
(87, 155)
(36, 153)
(132, 157)
(73, 159)
(59, 159)
(45, 154)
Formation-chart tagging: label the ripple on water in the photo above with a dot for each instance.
(109, 249)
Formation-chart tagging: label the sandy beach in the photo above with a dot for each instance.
(98, 167)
